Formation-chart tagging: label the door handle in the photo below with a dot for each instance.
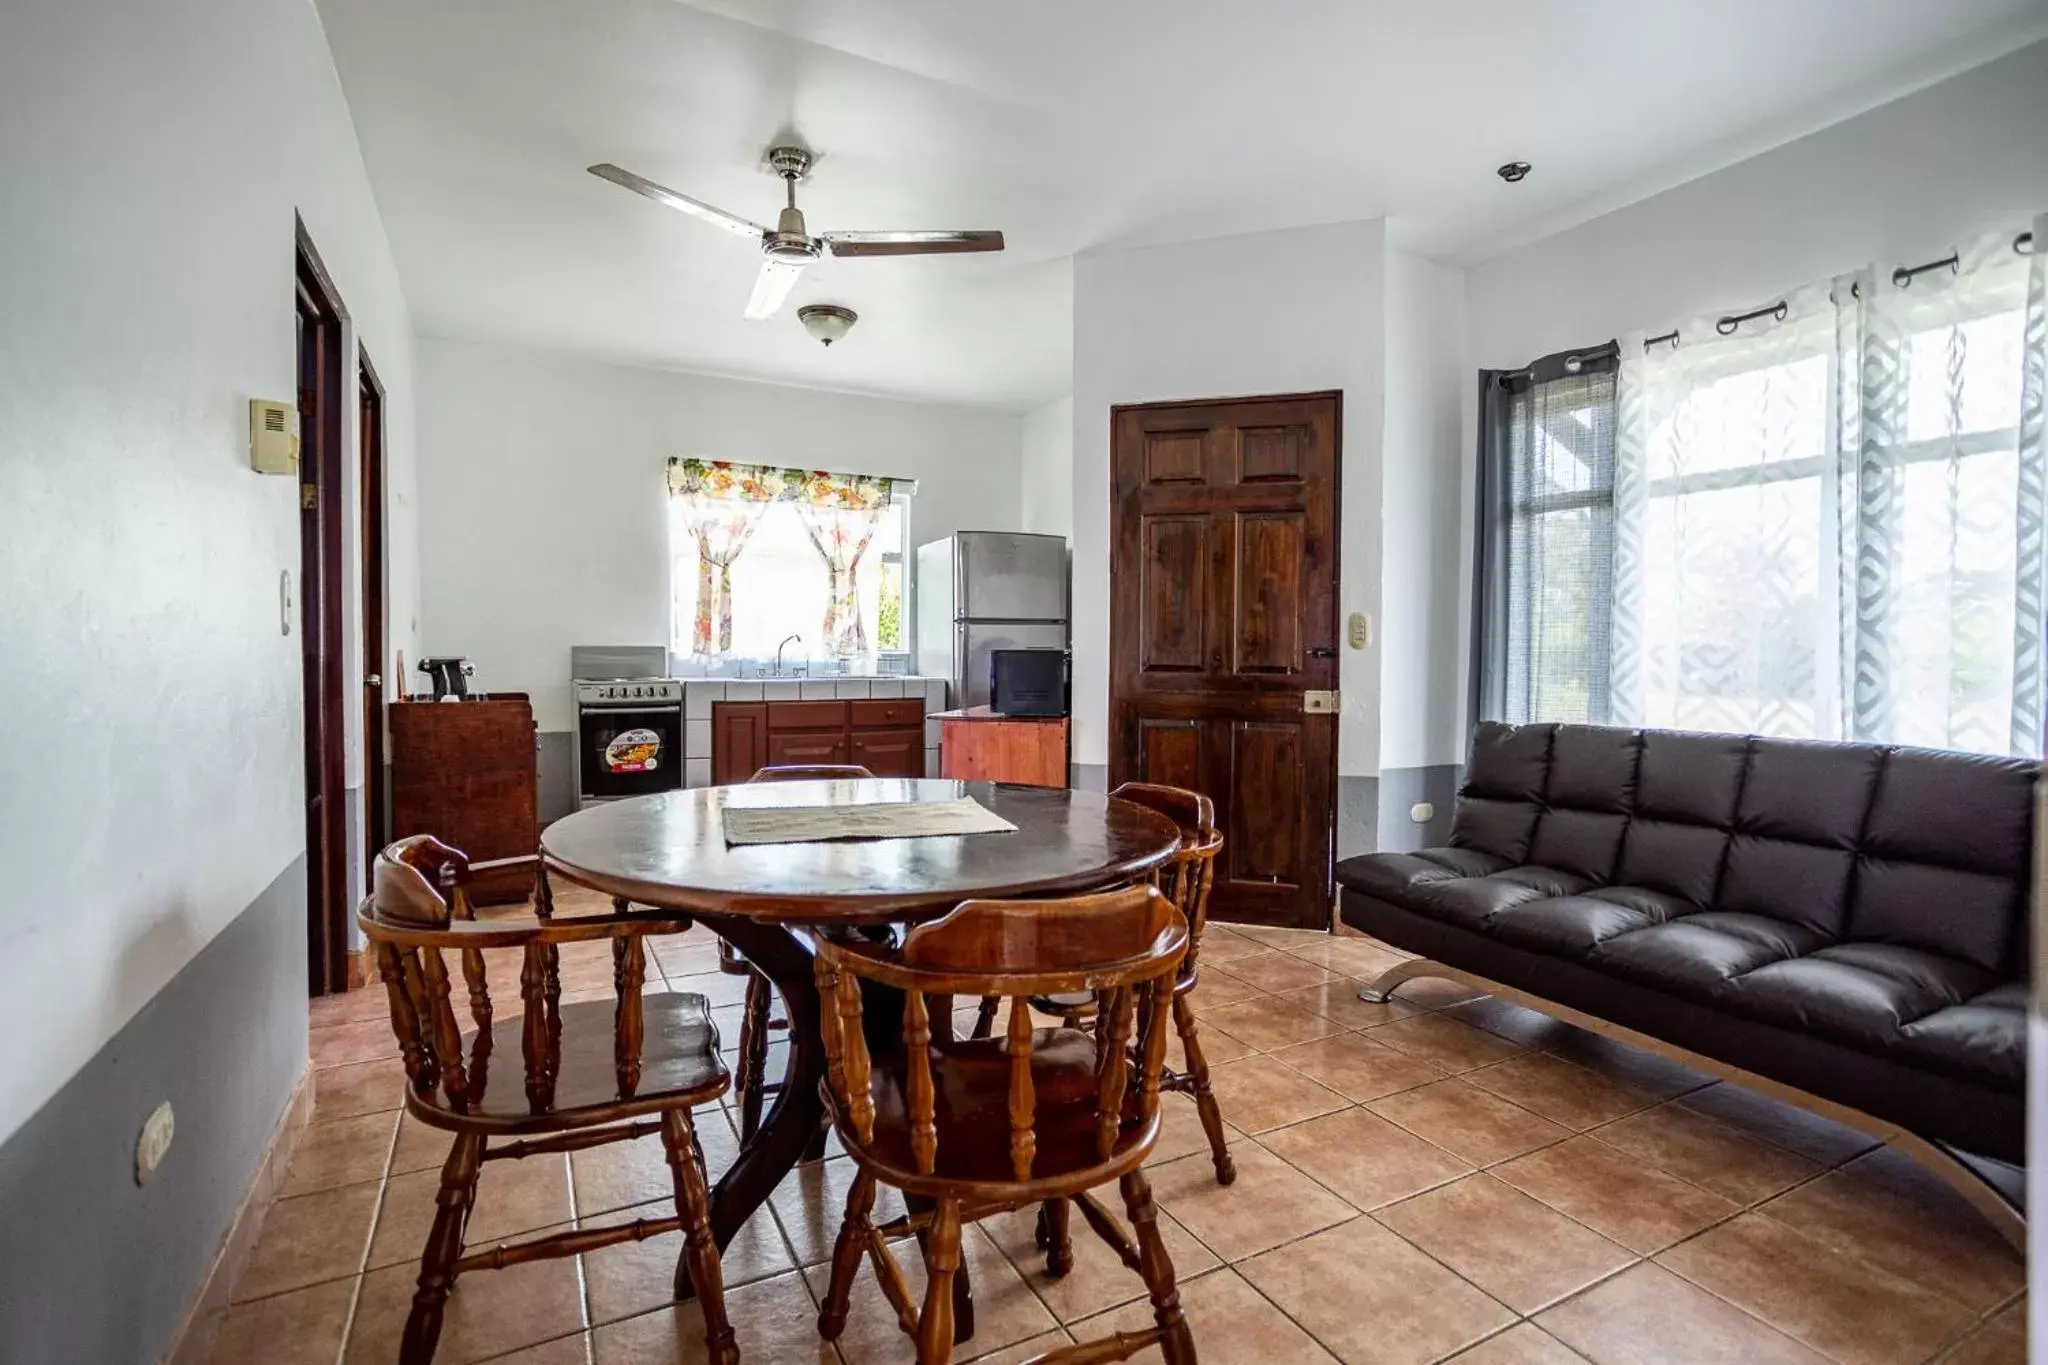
(373, 680)
(1323, 652)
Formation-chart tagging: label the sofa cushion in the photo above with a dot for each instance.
(1584, 843)
(1984, 1037)
(1499, 829)
(1690, 778)
(1860, 993)
(1674, 856)
(1570, 926)
(1788, 879)
(1391, 875)
(1698, 955)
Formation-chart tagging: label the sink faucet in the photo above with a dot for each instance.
(778, 651)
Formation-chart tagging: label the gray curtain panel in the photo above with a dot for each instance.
(1544, 576)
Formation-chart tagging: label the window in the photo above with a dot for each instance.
(1822, 519)
(759, 555)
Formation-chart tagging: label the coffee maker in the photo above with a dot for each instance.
(451, 677)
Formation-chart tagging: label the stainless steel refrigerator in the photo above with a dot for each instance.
(984, 590)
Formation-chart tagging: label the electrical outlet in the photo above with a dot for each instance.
(1359, 630)
(155, 1143)
(1422, 812)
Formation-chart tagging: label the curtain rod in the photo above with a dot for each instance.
(1901, 277)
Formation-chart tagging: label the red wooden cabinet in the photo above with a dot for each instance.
(979, 745)
(739, 740)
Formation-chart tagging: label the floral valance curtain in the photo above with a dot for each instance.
(720, 503)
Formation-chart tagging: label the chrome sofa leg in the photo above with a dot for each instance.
(1382, 986)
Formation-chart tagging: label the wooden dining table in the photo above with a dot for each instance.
(669, 852)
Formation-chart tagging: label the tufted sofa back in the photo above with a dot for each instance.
(1857, 842)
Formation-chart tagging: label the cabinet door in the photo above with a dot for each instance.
(739, 740)
(890, 753)
(806, 746)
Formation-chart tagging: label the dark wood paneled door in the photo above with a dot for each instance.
(1223, 622)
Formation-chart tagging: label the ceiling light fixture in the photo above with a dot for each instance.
(828, 322)
(1513, 171)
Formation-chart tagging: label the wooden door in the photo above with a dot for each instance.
(320, 602)
(1223, 617)
(376, 663)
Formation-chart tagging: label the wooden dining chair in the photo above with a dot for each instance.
(966, 1129)
(755, 1020)
(567, 1077)
(1186, 880)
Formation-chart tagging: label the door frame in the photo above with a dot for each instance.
(322, 635)
(1121, 746)
(374, 569)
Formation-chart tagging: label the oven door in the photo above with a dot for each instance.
(629, 751)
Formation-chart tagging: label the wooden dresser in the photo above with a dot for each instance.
(976, 744)
(464, 772)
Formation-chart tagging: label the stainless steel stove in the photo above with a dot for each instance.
(629, 723)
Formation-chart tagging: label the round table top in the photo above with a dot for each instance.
(669, 850)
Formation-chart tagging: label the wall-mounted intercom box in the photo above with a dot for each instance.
(273, 437)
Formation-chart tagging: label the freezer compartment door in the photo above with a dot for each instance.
(1009, 576)
(974, 639)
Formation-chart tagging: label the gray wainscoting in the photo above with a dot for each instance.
(1088, 777)
(556, 763)
(1358, 808)
(1400, 790)
(96, 1268)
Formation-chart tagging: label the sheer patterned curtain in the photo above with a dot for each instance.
(1724, 515)
(716, 506)
(1942, 503)
(1831, 517)
(841, 511)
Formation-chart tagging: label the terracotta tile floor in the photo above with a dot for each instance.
(1440, 1179)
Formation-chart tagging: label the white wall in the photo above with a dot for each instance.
(542, 518)
(1046, 469)
(1422, 629)
(1903, 183)
(155, 154)
(1270, 312)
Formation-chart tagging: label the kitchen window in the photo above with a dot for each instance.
(760, 554)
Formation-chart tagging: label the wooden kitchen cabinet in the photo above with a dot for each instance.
(890, 753)
(739, 740)
(886, 737)
(979, 745)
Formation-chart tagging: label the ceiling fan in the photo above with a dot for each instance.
(788, 247)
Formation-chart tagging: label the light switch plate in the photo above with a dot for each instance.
(1358, 630)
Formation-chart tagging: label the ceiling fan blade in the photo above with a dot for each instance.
(662, 194)
(772, 286)
(910, 243)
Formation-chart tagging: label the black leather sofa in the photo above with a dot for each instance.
(1848, 920)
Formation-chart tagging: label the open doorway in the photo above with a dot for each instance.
(320, 398)
(376, 659)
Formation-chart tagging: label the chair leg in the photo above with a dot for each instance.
(1059, 1247)
(698, 1266)
(1205, 1102)
(753, 1054)
(1176, 1342)
(846, 1252)
(985, 1018)
(941, 1263)
(444, 1248)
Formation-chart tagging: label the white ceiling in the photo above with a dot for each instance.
(1066, 123)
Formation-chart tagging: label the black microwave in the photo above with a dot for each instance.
(1027, 682)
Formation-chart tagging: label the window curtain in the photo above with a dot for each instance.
(719, 504)
(1942, 502)
(1545, 537)
(1831, 514)
(1723, 510)
(841, 511)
